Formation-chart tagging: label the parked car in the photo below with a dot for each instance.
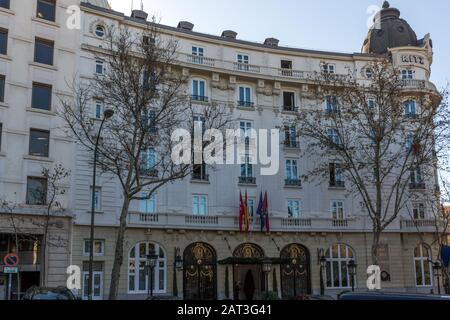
(384, 296)
(41, 293)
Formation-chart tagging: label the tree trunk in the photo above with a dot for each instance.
(118, 255)
(375, 244)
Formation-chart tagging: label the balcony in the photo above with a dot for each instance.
(411, 116)
(198, 98)
(417, 186)
(149, 172)
(296, 183)
(422, 225)
(340, 223)
(418, 85)
(289, 73)
(202, 220)
(245, 67)
(290, 109)
(246, 104)
(337, 184)
(201, 177)
(247, 180)
(292, 144)
(295, 223)
(191, 58)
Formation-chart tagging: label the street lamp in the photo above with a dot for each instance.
(352, 272)
(178, 261)
(107, 114)
(323, 265)
(267, 268)
(437, 267)
(152, 259)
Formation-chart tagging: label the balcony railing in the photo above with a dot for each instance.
(290, 109)
(148, 218)
(293, 183)
(246, 104)
(247, 180)
(296, 74)
(149, 172)
(293, 144)
(199, 98)
(337, 184)
(200, 177)
(417, 186)
(247, 67)
(418, 84)
(295, 223)
(191, 58)
(202, 220)
(340, 223)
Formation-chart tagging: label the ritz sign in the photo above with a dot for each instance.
(412, 59)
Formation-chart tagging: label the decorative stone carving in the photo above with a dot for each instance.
(185, 72)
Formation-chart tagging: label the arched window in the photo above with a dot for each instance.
(100, 31)
(138, 281)
(423, 266)
(338, 256)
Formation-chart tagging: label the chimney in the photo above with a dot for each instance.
(230, 34)
(271, 42)
(139, 14)
(185, 25)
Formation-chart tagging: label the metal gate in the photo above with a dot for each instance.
(295, 273)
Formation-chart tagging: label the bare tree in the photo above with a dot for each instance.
(147, 93)
(374, 133)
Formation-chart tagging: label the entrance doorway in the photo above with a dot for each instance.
(295, 272)
(248, 278)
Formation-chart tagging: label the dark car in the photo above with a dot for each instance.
(390, 296)
(40, 293)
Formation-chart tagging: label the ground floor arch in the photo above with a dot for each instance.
(295, 271)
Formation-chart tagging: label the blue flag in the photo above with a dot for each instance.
(261, 213)
(445, 254)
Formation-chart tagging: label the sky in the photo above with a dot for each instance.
(331, 25)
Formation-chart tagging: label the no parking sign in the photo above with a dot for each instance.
(11, 260)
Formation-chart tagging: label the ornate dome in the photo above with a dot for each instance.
(389, 31)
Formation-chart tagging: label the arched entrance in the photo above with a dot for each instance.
(295, 271)
(248, 278)
(200, 272)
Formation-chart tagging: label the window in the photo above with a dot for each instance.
(245, 97)
(407, 74)
(369, 73)
(148, 163)
(147, 206)
(289, 101)
(36, 191)
(4, 4)
(199, 172)
(247, 168)
(337, 210)
(328, 68)
(197, 51)
(291, 170)
(99, 67)
(251, 207)
(333, 137)
(98, 109)
(198, 90)
(331, 104)
(371, 103)
(423, 266)
(410, 109)
(286, 68)
(245, 127)
(97, 285)
(290, 137)
(97, 199)
(41, 96)
(46, 9)
(416, 177)
(99, 247)
(419, 211)
(39, 143)
(200, 205)
(243, 58)
(149, 121)
(338, 256)
(43, 51)
(294, 209)
(3, 41)
(138, 273)
(336, 178)
(2, 88)
(100, 31)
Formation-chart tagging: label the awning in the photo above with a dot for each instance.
(253, 261)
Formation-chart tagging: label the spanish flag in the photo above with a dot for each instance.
(246, 216)
(241, 212)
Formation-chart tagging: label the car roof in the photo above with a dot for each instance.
(391, 296)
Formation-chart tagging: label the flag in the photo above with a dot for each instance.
(241, 212)
(445, 254)
(260, 212)
(246, 217)
(266, 212)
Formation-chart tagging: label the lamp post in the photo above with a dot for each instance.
(323, 265)
(152, 259)
(437, 267)
(107, 114)
(177, 266)
(352, 272)
(266, 268)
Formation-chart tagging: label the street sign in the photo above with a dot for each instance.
(10, 270)
(11, 260)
